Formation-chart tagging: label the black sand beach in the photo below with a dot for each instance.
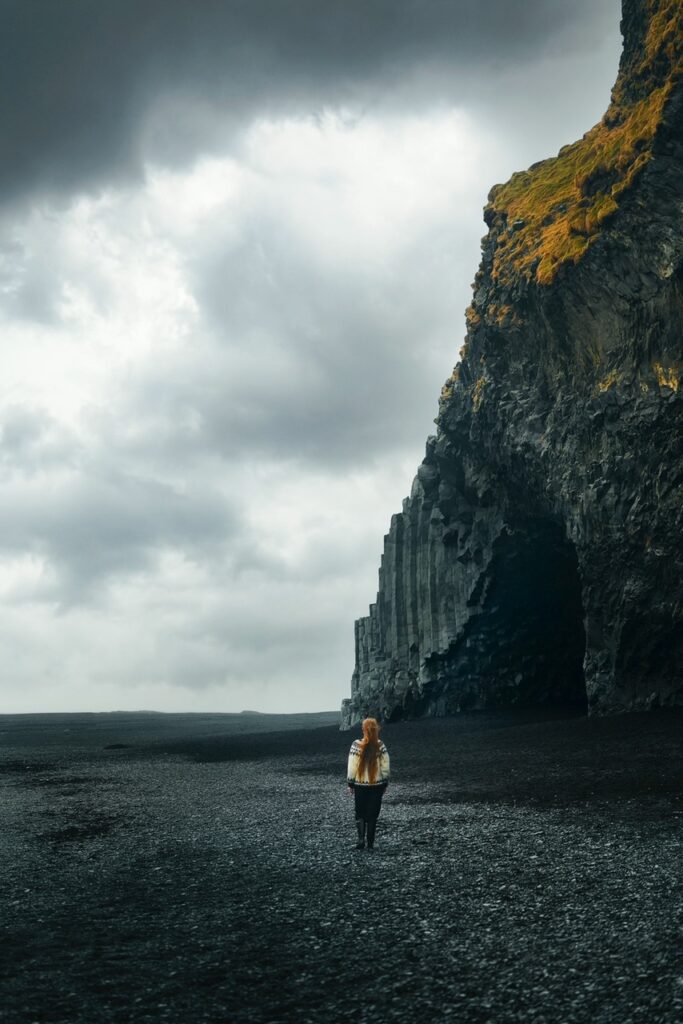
(201, 868)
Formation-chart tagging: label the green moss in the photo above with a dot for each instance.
(608, 382)
(472, 317)
(667, 376)
(449, 387)
(663, 30)
(503, 315)
(478, 393)
(555, 211)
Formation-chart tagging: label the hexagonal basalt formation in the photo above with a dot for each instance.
(539, 556)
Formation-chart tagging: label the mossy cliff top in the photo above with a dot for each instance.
(552, 213)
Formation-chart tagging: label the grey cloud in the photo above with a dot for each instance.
(334, 368)
(328, 412)
(284, 636)
(301, 664)
(97, 87)
(98, 526)
(31, 441)
(31, 276)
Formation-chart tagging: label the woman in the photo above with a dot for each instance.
(368, 777)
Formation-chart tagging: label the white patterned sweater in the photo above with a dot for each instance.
(382, 769)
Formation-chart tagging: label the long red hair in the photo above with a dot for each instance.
(369, 752)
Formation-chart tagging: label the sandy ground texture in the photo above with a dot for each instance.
(177, 868)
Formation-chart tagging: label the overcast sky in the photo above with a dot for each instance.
(236, 245)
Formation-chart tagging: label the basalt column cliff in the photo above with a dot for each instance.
(539, 556)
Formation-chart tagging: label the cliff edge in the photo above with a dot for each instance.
(538, 558)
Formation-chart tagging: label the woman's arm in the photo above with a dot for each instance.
(352, 766)
(384, 766)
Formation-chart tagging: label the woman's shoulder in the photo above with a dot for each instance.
(383, 747)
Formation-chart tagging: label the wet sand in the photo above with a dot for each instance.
(202, 868)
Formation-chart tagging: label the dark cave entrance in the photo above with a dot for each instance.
(535, 612)
(526, 648)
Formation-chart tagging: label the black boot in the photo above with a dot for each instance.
(360, 825)
(371, 832)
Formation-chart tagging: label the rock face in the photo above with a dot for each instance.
(538, 558)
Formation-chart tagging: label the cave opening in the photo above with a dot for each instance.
(531, 641)
(525, 643)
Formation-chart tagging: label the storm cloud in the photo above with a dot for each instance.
(98, 88)
(236, 246)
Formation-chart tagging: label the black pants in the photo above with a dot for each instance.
(368, 801)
